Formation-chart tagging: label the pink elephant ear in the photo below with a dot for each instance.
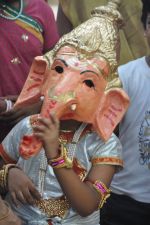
(32, 87)
(110, 112)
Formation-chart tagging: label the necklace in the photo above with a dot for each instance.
(75, 139)
(9, 17)
(71, 151)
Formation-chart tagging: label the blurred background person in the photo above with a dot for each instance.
(133, 45)
(28, 29)
(129, 202)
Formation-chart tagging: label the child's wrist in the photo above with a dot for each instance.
(62, 160)
(53, 151)
(53, 155)
(4, 172)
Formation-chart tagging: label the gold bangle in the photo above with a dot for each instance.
(102, 190)
(7, 212)
(63, 161)
(2, 182)
(4, 177)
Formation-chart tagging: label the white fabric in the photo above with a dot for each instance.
(134, 179)
(90, 146)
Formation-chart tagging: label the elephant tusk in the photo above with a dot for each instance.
(42, 98)
(73, 107)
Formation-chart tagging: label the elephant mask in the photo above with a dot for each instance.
(77, 84)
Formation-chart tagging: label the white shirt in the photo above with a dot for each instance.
(134, 179)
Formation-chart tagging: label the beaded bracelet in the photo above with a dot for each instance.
(63, 161)
(101, 188)
(4, 177)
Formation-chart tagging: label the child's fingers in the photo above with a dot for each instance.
(54, 120)
(51, 122)
(20, 197)
(38, 128)
(35, 193)
(39, 135)
(14, 199)
(44, 121)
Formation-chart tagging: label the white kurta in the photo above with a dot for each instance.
(90, 147)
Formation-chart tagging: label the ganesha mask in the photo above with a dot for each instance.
(79, 79)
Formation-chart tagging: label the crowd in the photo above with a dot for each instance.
(76, 141)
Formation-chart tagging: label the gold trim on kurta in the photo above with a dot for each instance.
(107, 160)
(37, 34)
(5, 156)
(79, 169)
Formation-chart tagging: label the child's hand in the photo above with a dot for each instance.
(48, 133)
(23, 189)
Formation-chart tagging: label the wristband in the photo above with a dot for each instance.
(63, 161)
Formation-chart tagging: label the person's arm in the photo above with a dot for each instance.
(10, 116)
(7, 102)
(2, 105)
(7, 217)
(83, 196)
(15, 114)
(63, 23)
(22, 190)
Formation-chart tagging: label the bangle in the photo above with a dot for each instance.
(9, 104)
(104, 192)
(2, 182)
(4, 177)
(63, 161)
(6, 213)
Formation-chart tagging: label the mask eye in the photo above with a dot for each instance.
(89, 83)
(59, 69)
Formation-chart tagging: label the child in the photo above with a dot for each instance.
(67, 181)
(58, 182)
